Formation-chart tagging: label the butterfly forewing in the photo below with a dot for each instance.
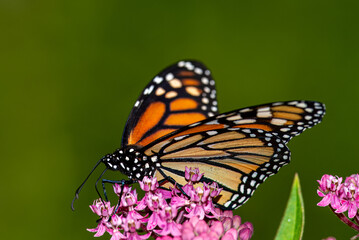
(284, 119)
(180, 95)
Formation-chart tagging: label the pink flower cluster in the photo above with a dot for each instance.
(166, 215)
(341, 197)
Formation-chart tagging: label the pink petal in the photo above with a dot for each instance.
(152, 221)
(201, 227)
(245, 234)
(92, 229)
(187, 234)
(248, 225)
(101, 231)
(352, 210)
(213, 235)
(217, 227)
(141, 204)
(320, 194)
(229, 236)
(179, 201)
(117, 236)
(335, 202)
(175, 229)
(227, 223)
(237, 221)
(325, 201)
(343, 208)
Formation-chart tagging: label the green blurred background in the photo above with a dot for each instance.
(71, 71)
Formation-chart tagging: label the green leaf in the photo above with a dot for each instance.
(292, 224)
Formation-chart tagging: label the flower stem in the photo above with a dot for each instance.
(356, 218)
(345, 220)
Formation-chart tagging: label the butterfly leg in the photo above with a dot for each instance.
(122, 182)
(171, 180)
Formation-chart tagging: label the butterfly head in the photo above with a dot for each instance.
(130, 162)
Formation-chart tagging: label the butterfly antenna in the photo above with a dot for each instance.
(79, 188)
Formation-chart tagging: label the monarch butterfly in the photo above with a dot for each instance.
(175, 123)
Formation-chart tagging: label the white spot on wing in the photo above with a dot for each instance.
(194, 124)
(293, 103)
(212, 133)
(158, 79)
(241, 200)
(245, 121)
(264, 114)
(278, 121)
(302, 105)
(205, 80)
(246, 110)
(264, 109)
(205, 100)
(277, 104)
(181, 64)
(193, 91)
(198, 70)
(150, 89)
(235, 117)
(169, 76)
(253, 183)
(180, 137)
(189, 66)
(171, 94)
(160, 91)
(175, 83)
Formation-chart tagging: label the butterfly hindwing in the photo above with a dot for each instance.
(180, 95)
(237, 159)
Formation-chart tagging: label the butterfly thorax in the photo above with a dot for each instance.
(131, 162)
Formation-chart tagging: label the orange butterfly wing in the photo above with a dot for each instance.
(237, 159)
(180, 95)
